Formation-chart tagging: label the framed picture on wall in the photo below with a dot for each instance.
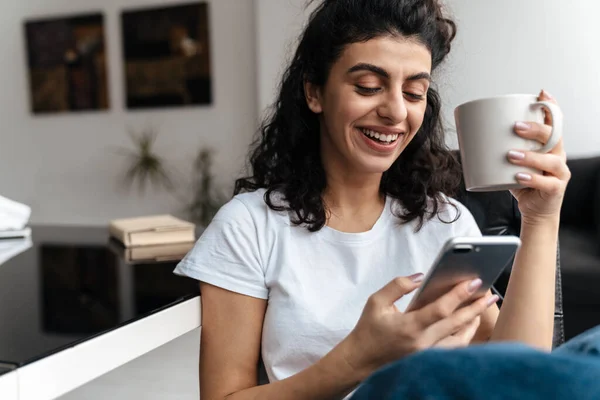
(166, 53)
(67, 64)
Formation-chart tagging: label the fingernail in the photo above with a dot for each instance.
(548, 95)
(521, 126)
(516, 155)
(523, 177)
(474, 285)
(492, 300)
(416, 277)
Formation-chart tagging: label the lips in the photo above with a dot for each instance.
(380, 136)
(385, 143)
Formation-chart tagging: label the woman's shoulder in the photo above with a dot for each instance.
(248, 207)
(243, 203)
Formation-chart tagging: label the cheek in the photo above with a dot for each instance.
(342, 114)
(416, 116)
(354, 108)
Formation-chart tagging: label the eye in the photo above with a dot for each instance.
(414, 96)
(367, 90)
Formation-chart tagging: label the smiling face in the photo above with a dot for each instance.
(372, 104)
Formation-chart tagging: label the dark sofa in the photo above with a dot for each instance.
(580, 246)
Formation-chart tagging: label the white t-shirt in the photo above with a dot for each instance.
(316, 283)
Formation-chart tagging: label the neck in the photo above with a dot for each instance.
(353, 201)
(352, 198)
(345, 193)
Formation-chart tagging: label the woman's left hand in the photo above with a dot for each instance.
(543, 193)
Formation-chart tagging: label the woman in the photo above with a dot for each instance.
(317, 255)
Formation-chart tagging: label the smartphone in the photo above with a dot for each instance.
(462, 259)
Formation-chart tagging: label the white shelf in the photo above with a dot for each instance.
(55, 375)
(9, 386)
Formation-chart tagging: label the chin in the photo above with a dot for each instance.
(376, 165)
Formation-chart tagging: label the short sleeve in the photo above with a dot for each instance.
(227, 253)
(465, 225)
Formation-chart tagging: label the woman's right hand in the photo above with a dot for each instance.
(384, 334)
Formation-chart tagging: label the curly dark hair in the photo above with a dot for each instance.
(286, 158)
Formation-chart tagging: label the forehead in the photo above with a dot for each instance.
(397, 55)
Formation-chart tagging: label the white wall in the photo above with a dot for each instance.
(509, 46)
(66, 167)
(278, 24)
(516, 46)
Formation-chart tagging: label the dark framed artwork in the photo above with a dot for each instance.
(67, 64)
(167, 56)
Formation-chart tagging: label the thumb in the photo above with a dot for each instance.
(545, 96)
(397, 288)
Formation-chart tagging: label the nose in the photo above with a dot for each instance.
(393, 107)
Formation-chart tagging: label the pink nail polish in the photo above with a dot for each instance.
(417, 277)
(548, 95)
(523, 177)
(493, 299)
(474, 285)
(521, 126)
(516, 155)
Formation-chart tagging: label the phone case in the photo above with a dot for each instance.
(462, 259)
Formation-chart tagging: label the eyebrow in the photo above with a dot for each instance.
(382, 72)
(420, 75)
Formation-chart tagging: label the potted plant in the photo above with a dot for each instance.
(145, 166)
(206, 199)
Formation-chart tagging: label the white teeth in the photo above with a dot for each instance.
(380, 136)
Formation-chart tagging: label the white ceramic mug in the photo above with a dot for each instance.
(486, 134)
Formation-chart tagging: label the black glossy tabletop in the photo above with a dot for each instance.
(4, 370)
(68, 284)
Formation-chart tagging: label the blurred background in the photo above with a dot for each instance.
(122, 108)
(66, 162)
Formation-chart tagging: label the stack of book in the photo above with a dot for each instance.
(153, 238)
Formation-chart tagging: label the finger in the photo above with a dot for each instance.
(395, 289)
(537, 131)
(545, 96)
(546, 184)
(461, 338)
(460, 318)
(551, 164)
(533, 130)
(540, 133)
(446, 304)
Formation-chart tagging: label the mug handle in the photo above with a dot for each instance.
(557, 125)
